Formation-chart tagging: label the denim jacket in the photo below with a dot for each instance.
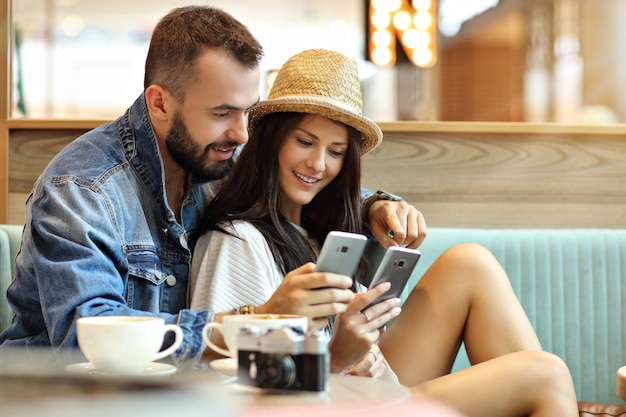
(101, 239)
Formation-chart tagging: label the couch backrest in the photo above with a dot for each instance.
(572, 284)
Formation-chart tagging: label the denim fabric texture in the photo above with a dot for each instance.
(101, 239)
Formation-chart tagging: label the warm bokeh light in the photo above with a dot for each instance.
(381, 39)
(381, 56)
(380, 20)
(402, 20)
(422, 57)
(414, 26)
(422, 20)
(388, 5)
(421, 4)
(416, 39)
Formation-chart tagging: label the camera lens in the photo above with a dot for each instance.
(276, 371)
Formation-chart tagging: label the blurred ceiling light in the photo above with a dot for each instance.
(72, 25)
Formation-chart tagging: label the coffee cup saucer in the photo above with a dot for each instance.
(153, 369)
(226, 366)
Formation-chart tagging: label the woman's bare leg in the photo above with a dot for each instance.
(466, 296)
(528, 383)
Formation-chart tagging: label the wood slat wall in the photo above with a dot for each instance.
(520, 178)
(457, 174)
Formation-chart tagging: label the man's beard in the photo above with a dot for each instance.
(186, 153)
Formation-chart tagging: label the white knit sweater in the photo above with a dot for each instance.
(228, 272)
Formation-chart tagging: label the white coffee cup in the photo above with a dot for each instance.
(231, 325)
(124, 344)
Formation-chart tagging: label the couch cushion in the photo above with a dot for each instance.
(10, 238)
(5, 279)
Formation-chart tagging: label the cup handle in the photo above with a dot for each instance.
(177, 341)
(208, 341)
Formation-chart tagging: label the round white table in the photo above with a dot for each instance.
(31, 388)
(359, 391)
(346, 396)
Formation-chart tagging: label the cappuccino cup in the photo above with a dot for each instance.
(231, 325)
(124, 344)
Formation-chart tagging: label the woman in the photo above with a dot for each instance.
(301, 171)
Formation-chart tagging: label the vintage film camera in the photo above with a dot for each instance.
(282, 359)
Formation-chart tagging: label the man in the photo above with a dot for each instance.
(111, 223)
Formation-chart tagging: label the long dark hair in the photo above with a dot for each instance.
(251, 193)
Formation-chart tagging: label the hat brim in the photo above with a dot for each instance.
(372, 136)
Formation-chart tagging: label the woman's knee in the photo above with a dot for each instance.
(468, 261)
(547, 367)
(468, 255)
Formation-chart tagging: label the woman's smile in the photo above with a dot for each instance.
(308, 180)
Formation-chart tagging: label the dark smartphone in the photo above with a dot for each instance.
(396, 267)
(341, 253)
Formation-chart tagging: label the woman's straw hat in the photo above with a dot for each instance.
(322, 82)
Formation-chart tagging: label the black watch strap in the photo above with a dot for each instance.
(378, 195)
(386, 195)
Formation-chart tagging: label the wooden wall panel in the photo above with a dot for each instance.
(30, 150)
(505, 179)
(5, 100)
(458, 175)
(482, 82)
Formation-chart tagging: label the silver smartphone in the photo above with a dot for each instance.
(396, 267)
(341, 253)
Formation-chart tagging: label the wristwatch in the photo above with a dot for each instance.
(387, 196)
(377, 196)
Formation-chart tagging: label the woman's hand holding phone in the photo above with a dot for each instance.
(356, 330)
(315, 295)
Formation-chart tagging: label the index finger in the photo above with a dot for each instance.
(321, 280)
(388, 231)
(364, 299)
(306, 278)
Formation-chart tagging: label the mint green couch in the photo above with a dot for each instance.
(10, 237)
(572, 284)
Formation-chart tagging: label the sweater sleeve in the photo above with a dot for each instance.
(229, 271)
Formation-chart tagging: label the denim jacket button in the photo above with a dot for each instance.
(170, 280)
